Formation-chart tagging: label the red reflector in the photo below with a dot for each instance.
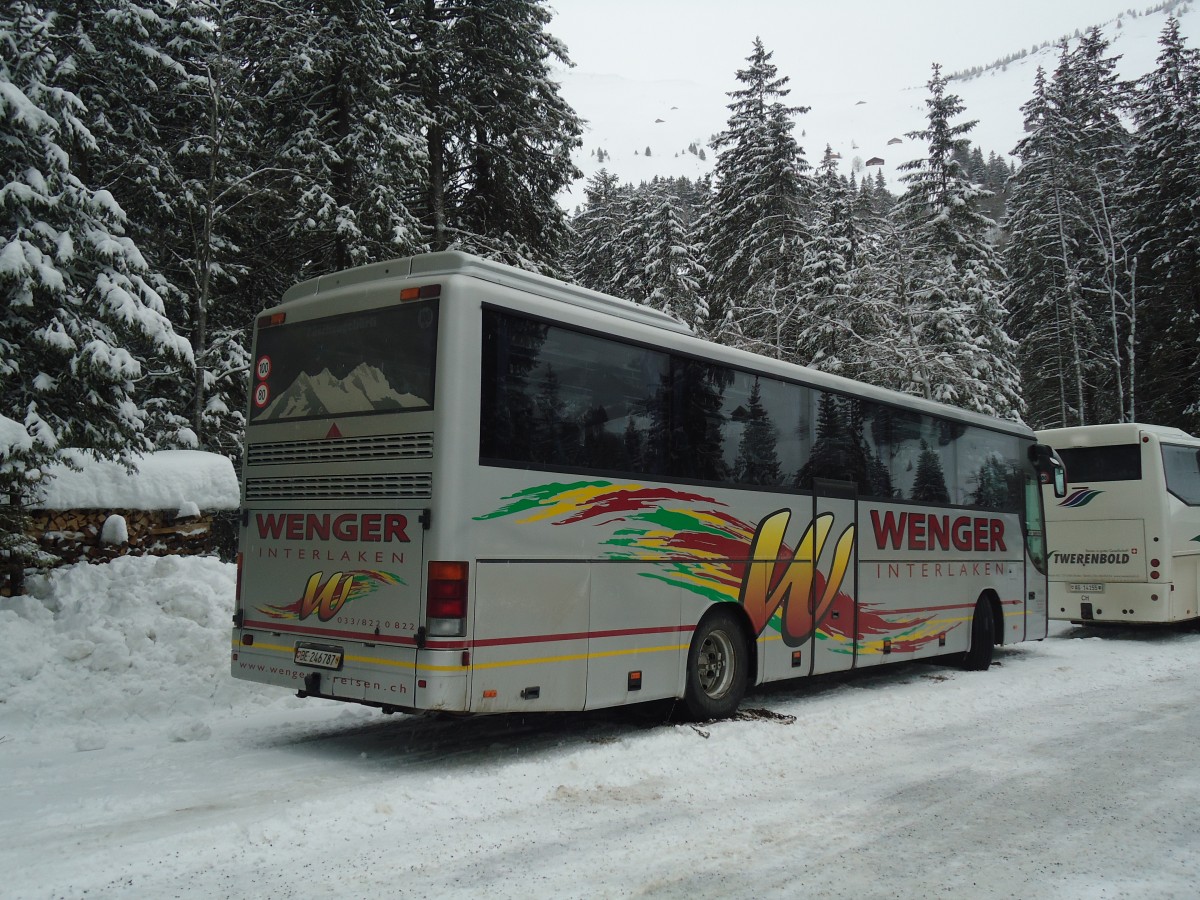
(1153, 574)
(248, 640)
(1154, 562)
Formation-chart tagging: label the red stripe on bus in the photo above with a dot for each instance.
(331, 633)
(581, 635)
(921, 609)
(434, 644)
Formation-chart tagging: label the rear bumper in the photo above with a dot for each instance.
(1129, 602)
(395, 677)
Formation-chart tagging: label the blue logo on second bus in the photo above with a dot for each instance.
(1081, 497)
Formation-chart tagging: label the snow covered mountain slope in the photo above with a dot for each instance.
(626, 114)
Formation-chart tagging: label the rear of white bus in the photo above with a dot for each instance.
(336, 597)
(1115, 554)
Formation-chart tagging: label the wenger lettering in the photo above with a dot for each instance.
(926, 531)
(366, 527)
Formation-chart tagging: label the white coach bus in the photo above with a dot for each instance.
(470, 488)
(1125, 541)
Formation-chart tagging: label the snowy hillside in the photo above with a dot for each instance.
(627, 115)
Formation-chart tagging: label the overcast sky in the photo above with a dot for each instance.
(858, 44)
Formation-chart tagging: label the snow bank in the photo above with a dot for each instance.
(97, 651)
(168, 479)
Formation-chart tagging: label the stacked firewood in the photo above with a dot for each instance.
(75, 534)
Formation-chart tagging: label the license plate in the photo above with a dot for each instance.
(320, 656)
(1085, 588)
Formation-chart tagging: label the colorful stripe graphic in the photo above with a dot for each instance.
(704, 549)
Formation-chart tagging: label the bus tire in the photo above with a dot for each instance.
(716, 668)
(983, 638)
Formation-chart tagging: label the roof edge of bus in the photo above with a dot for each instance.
(1112, 431)
(456, 262)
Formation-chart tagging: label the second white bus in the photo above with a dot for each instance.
(1125, 541)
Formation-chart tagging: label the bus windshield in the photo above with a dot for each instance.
(380, 361)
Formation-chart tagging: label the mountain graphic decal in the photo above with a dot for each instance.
(365, 389)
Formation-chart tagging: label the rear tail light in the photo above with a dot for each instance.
(446, 599)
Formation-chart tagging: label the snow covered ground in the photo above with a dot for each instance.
(132, 765)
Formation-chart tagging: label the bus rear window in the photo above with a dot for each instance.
(381, 361)
(1119, 462)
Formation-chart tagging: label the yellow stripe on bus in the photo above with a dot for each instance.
(425, 667)
(576, 657)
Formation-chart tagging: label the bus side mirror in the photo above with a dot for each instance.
(1049, 468)
(1060, 478)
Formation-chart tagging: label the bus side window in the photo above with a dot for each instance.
(1181, 467)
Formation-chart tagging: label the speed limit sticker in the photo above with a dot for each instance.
(263, 368)
(262, 394)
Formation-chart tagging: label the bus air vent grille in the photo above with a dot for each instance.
(416, 486)
(383, 446)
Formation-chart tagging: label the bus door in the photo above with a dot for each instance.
(1033, 528)
(834, 593)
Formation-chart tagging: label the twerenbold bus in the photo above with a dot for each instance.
(470, 488)
(1125, 541)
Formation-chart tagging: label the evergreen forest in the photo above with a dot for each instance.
(171, 167)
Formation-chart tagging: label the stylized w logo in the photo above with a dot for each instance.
(1081, 497)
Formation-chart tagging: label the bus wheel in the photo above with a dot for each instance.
(716, 668)
(983, 638)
